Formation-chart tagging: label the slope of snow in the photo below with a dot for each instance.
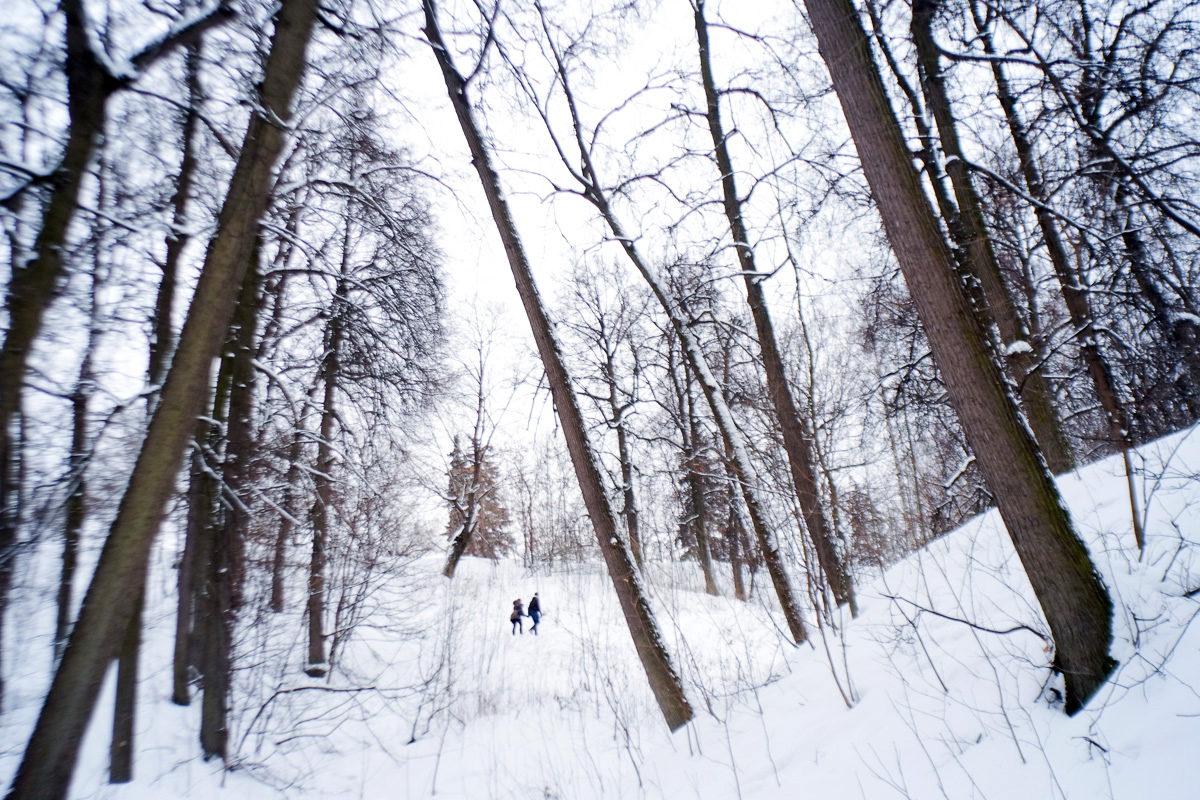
(434, 696)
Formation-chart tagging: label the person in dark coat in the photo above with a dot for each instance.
(535, 613)
(515, 619)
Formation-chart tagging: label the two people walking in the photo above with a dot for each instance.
(535, 614)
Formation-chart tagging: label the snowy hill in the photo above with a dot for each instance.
(433, 696)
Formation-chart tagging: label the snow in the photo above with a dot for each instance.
(433, 694)
(1019, 346)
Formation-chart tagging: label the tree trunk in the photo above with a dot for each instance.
(797, 437)
(1072, 596)
(199, 504)
(120, 754)
(224, 566)
(317, 664)
(1075, 294)
(32, 288)
(163, 332)
(287, 520)
(49, 761)
(998, 306)
(660, 672)
(695, 507)
(76, 509)
(713, 392)
(629, 509)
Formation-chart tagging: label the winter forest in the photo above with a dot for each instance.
(843, 419)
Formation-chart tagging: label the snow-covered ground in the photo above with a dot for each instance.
(433, 696)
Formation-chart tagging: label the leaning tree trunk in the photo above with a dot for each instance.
(660, 672)
(32, 288)
(1075, 294)
(713, 392)
(1036, 396)
(797, 437)
(1072, 596)
(50, 755)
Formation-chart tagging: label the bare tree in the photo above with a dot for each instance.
(1072, 596)
(797, 437)
(50, 756)
(90, 83)
(664, 681)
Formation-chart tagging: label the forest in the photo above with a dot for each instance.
(842, 417)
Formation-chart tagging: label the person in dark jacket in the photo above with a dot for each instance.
(535, 613)
(515, 619)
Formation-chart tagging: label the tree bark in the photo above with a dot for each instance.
(797, 437)
(660, 672)
(49, 761)
(1071, 594)
(120, 753)
(980, 257)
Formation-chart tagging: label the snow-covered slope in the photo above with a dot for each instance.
(435, 696)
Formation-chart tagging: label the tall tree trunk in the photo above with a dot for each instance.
(797, 437)
(287, 520)
(697, 507)
(32, 288)
(980, 257)
(120, 753)
(1072, 596)
(161, 343)
(224, 567)
(629, 510)
(317, 664)
(200, 500)
(1075, 294)
(50, 755)
(76, 509)
(660, 672)
(163, 332)
(714, 394)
